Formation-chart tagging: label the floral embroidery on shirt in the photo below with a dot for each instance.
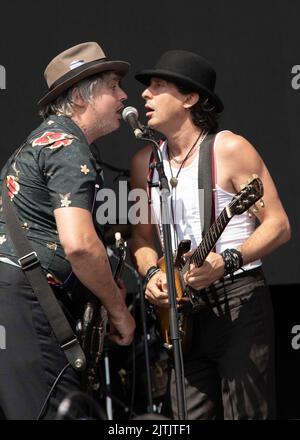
(12, 185)
(65, 200)
(54, 140)
(2, 239)
(84, 169)
(61, 143)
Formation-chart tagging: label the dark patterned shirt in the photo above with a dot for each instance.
(54, 169)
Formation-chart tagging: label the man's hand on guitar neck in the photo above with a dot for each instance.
(211, 271)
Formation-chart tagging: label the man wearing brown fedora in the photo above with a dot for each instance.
(229, 366)
(51, 182)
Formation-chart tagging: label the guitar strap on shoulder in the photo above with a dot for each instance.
(31, 266)
(206, 182)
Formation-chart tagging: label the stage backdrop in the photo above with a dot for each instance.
(254, 46)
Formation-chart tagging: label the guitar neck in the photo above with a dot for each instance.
(210, 239)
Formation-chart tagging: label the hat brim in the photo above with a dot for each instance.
(145, 76)
(121, 67)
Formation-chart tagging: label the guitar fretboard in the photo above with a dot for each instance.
(210, 239)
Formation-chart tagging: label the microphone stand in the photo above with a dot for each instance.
(174, 330)
(150, 406)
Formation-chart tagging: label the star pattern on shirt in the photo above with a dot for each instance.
(65, 200)
(14, 167)
(48, 174)
(2, 239)
(52, 246)
(84, 169)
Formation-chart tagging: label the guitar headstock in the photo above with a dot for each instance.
(247, 197)
(120, 243)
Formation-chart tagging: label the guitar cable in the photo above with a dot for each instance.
(43, 408)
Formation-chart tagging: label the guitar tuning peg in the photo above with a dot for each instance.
(254, 210)
(262, 203)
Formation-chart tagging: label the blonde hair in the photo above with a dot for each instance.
(64, 105)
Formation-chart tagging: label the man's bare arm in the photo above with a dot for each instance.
(143, 245)
(243, 160)
(89, 262)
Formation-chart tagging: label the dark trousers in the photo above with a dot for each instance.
(229, 371)
(30, 357)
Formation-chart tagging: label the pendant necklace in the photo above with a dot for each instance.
(174, 179)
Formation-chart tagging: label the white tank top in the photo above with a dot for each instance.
(186, 222)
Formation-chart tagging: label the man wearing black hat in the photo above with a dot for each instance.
(51, 182)
(229, 367)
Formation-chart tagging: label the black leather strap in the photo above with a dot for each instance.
(30, 264)
(205, 181)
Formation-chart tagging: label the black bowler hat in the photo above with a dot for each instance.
(186, 69)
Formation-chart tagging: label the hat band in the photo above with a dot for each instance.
(74, 72)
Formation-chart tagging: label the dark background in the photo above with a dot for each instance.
(253, 46)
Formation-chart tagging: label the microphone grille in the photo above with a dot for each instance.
(128, 110)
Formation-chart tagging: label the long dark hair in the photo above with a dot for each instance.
(204, 113)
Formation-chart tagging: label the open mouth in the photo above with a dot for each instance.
(149, 109)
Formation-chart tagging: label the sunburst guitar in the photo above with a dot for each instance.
(240, 203)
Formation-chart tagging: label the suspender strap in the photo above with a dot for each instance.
(206, 181)
(30, 264)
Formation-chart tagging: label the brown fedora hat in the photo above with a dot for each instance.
(75, 64)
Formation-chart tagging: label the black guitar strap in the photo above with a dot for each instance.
(206, 182)
(33, 271)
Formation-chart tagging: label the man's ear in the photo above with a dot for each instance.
(77, 98)
(190, 100)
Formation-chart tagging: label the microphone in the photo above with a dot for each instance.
(130, 115)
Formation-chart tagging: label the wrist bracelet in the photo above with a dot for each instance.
(233, 261)
(149, 274)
